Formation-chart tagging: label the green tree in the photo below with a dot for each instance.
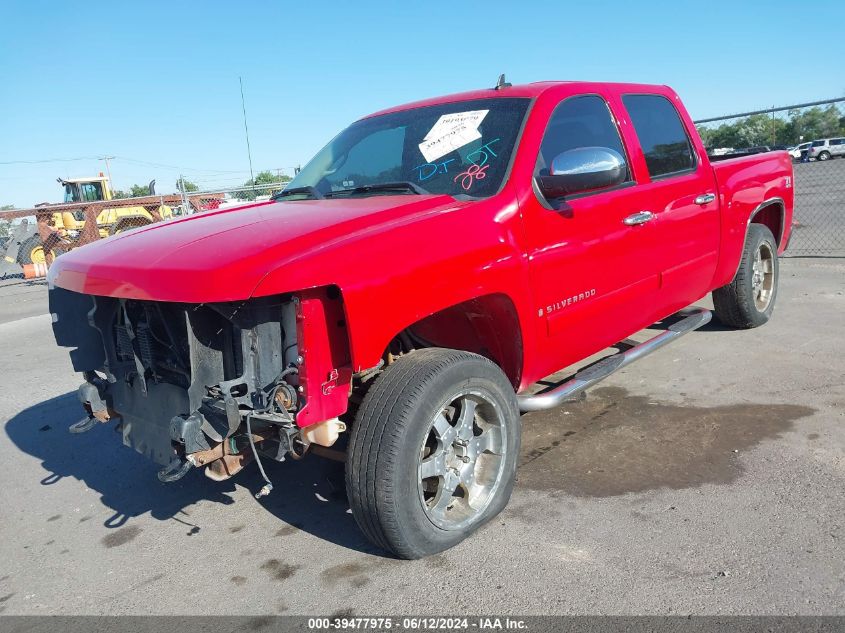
(138, 191)
(135, 191)
(261, 186)
(186, 185)
(763, 129)
(814, 123)
(724, 135)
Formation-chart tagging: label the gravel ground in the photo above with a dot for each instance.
(706, 479)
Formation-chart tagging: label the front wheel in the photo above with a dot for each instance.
(31, 251)
(433, 451)
(748, 301)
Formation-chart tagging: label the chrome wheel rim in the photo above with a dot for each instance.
(462, 460)
(763, 276)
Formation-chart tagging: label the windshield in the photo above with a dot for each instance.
(83, 192)
(461, 149)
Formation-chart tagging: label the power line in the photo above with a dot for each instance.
(48, 160)
(134, 161)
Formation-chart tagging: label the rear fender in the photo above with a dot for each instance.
(771, 213)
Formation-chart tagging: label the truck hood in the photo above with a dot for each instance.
(223, 255)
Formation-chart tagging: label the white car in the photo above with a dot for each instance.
(827, 148)
(796, 151)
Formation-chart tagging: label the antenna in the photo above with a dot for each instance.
(246, 132)
(502, 83)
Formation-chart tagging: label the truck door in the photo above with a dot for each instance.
(591, 262)
(679, 190)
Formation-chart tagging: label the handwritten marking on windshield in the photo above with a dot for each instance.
(484, 153)
(473, 172)
(428, 170)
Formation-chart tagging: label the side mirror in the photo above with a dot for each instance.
(583, 169)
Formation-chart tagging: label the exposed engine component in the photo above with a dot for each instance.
(184, 377)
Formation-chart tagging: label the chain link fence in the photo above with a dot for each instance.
(30, 239)
(814, 134)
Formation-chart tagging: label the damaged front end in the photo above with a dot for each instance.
(202, 385)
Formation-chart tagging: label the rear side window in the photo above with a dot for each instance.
(665, 143)
(818, 143)
(837, 141)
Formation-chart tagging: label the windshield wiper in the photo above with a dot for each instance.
(311, 191)
(399, 185)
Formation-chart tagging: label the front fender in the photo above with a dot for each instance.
(390, 279)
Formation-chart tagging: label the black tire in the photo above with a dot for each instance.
(27, 247)
(388, 439)
(824, 156)
(127, 223)
(737, 305)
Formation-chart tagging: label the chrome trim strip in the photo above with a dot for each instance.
(597, 372)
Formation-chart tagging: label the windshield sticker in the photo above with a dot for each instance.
(473, 172)
(450, 132)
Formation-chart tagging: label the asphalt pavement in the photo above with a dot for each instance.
(707, 478)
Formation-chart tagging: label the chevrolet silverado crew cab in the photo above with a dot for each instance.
(400, 298)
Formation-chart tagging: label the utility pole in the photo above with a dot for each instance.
(108, 170)
(186, 208)
(773, 125)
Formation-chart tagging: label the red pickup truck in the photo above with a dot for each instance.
(400, 298)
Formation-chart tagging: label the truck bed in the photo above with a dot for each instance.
(749, 186)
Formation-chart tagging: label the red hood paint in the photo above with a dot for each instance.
(223, 255)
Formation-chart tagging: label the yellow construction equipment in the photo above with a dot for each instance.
(110, 220)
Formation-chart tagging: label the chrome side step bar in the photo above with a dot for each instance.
(600, 370)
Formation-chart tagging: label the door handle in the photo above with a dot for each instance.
(641, 217)
(704, 198)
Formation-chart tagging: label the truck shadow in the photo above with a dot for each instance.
(308, 495)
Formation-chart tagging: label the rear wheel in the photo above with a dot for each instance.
(433, 451)
(748, 301)
(128, 223)
(824, 156)
(31, 251)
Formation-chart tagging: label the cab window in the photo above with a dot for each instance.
(661, 133)
(579, 122)
(91, 191)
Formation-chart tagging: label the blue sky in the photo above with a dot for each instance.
(156, 83)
